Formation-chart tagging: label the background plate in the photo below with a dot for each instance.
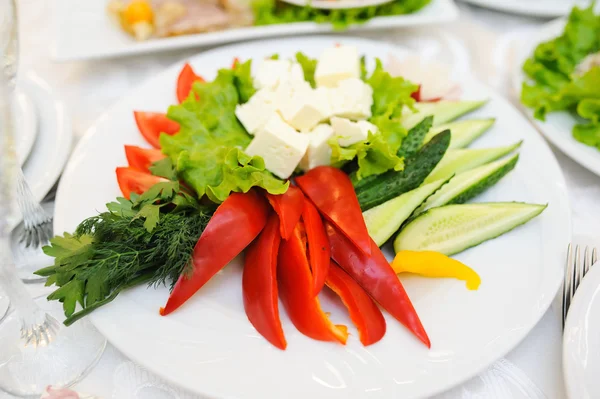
(337, 4)
(210, 348)
(26, 125)
(534, 8)
(85, 30)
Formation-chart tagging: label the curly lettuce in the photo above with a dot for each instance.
(557, 85)
(208, 150)
(269, 12)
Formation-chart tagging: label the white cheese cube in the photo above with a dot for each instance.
(296, 73)
(319, 151)
(255, 113)
(280, 146)
(264, 95)
(305, 109)
(352, 99)
(337, 64)
(349, 132)
(269, 73)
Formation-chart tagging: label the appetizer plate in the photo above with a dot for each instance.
(53, 145)
(84, 30)
(534, 8)
(581, 341)
(26, 126)
(558, 125)
(337, 4)
(209, 347)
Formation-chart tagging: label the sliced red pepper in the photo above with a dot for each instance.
(332, 192)
(416, 95)
(377, 277)
(364, 313)
(289, 207)
(152, 124)
(133, 181)
(296, 292)
(259, 284)
(318, 245)
(142, 158)
(185, 81)
(235, 223)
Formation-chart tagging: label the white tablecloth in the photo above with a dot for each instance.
(90, 87)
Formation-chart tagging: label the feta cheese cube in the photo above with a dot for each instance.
(269, 73)
(337, 64)
(319, 151)
(349, 132)
(256, 112)
(305, 109)
(352, 99)
(280, 146)
(296, 73)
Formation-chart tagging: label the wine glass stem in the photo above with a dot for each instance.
(11, 283)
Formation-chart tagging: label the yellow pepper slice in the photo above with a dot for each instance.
(138, 11)
(435, 264)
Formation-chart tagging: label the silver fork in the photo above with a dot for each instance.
(575, 271)
(37, 223)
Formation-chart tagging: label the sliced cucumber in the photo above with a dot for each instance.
(453, 228)
(385, 219)
(463, 132)
(415, 138)
(442, 111)
(461, 160)
(469, 184)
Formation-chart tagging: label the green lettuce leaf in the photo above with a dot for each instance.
(243, 80)
(208, 150)
(269, 12)
(309, 65)
(556, 85)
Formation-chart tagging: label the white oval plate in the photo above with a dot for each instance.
(337, 4)
(53, 145)
(26, 125)
(534, 8)
(581, 339)
(558, 126)
(210, 348)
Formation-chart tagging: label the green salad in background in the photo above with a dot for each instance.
(565, 75)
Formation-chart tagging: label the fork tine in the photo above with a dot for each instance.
(594, 256)
(567, 284)
(576, 271)
(586, 262)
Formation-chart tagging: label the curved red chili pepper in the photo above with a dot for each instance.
(259, 284)
(377, 277)
(185, 81)
(318, 245)
(288, 206)
(296, 292)
(332, 192)
(235, 223)
(364, 313)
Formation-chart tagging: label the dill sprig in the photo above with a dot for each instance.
(146, 240)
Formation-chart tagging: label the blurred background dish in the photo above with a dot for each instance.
(532, 8)
(337, 4)
(26, 126)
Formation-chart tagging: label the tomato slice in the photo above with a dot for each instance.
(152, 124)
(186, 79)
(141, 158)
(133, 181)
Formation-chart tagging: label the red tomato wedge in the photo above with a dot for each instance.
(332, 192)
(259, 284)
(364, 313)
(185, 81)
(134, 181)
(288, 207)
(142, 158)
(318, 245)
(152, 124)
(416, 95)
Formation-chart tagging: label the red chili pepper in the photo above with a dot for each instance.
(185, 81)
(235, 223)
(318, 245)
(296, 292)
(289, 207)
(364, 313)
(259, 284)
(377, 277)
(332, 192)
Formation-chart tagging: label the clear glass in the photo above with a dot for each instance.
(35, 349)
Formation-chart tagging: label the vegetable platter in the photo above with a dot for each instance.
(556, 75)
(215, 333)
